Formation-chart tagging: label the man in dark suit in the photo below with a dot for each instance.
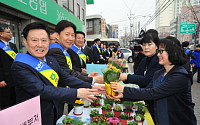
(37, 74)
(59, 52)
(96, 51)
(7, 89)
(88, 52)
(77, 56)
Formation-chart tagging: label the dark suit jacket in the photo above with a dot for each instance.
(30, 83)
(5, 65)
(60, 58)
(96, 54)
(88, 52)
(76, 63)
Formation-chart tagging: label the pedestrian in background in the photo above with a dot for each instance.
(8, 51)
(53, 37)
(96, 50)
(196, 62)
(189, 55)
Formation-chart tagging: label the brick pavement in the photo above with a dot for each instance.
(196, 98)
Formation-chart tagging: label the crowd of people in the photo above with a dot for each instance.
(54, 67)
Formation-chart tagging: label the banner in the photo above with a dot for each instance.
(25, 113)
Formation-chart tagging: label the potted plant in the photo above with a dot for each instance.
(109, 101)
(123, 118)
(95, 104)
(139, 119)
(109, 114)
(93, 113)
(119, 102)
(106, 108)
(113, 121)
(111, 74)
(139, 108)
(68, 121)
(79, 122)
(78, 107)
(128, 105)
(100, 96)
(117, 110)
(132, 123)
(99, 118)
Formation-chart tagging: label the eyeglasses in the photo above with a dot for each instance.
(160, 51)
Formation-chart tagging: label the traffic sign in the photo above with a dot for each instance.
(187, 28)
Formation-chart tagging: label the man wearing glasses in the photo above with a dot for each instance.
(8, 51)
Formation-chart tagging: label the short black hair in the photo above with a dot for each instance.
(34, 25)
(175, 51)
(80, 32)
(97, 39)
(198, 45)
(152, 31)
(151, 37)
(64, 24)
(185, 44)
(3, 27)
(174, 39)
(52, 32)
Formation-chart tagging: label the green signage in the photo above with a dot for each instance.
(187, 28)
(44, 9)
(90, 1)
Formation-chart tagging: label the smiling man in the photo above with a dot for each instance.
(37, 74)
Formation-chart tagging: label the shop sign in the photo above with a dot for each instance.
(90, 1)
(47, 10)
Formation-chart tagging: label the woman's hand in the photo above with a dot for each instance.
(117, 87)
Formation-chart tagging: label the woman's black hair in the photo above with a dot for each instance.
(151, 37)
(174, 50)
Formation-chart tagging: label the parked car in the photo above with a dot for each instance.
(127, 54)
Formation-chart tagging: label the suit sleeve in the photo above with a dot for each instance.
(176, 83)
(141, 80)
(28, 81)
(60, 58)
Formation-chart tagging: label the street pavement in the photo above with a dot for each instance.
(196, 98)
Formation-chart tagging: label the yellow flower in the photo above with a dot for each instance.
(118, 100)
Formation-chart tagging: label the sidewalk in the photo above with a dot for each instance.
(196, 98)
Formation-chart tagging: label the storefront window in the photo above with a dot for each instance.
(78, 10)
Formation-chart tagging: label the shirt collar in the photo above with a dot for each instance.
(7, 43)
(77, 46)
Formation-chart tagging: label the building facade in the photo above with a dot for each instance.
(19, 13)
(164, 14)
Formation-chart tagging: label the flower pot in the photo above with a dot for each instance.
(117, 113)
(104, 111)
(67, 124)
(86, 103)
(109, 91)
(91, 118)
(78, 110)
(123, 121)
(129, 115)
(139, 122)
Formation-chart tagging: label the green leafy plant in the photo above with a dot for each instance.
(117, 108)
(94, 113)
(138, 117)
(128, 105)
(132, 123)
(108, 101)
(106, 107)
(109, 114)
(111, 74)
(68, 120)
(123, 116)
(140, 107)
(96, 103)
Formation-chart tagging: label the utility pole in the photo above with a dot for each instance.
(131, 25)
